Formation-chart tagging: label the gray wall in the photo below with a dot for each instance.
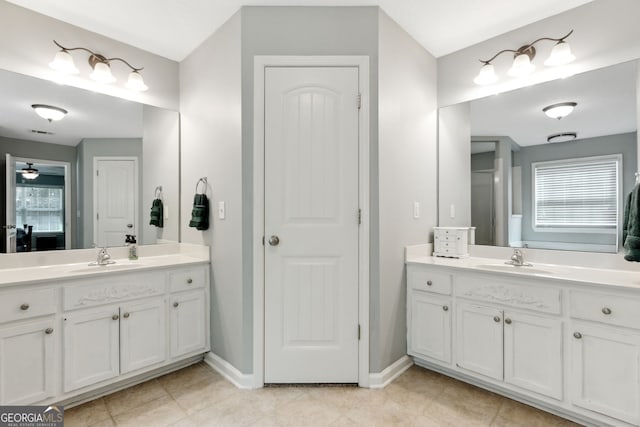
(407, 159)
(160, 167)
(87, 150)
(483, 161)
(611, 144)
(41, 151)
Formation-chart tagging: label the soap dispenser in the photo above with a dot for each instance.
(132, 246)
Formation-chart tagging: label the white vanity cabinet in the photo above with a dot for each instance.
(28, 345)
(605, 347)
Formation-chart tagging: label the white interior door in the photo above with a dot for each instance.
(116, 194)
(311, 224)
(10, 204)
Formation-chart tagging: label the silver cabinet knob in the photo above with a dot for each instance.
(496, 319)
(445, 308)
(429, 283)
(175, 304)
(577, 335)
(606, 310)
(507, 321)
(129, 225)
(48, 331)
(274, 240)
(24, 306)
(115, 317)
(126, 315)
(189, 280)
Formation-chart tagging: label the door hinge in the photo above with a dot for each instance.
(359, 216)
(262, 240)
(97, 172)
(359, 101)
(97, 216)
(358, 332)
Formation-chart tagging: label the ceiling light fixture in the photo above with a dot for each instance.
(30, 172)
(49, 112)
(562, 137)
(101, 66)
(522, 57)
(559, 110)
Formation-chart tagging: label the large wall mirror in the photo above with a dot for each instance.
(549, 183)
(88, 179)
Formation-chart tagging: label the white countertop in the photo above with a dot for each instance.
(155, 258)
(600, 276)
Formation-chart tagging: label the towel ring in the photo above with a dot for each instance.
(204, 181)
(158, 192)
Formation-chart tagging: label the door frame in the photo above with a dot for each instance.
(261, 62)
(136, 191)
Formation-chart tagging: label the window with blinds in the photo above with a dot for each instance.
(577, 195)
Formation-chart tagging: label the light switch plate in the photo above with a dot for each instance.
(416, 210)
(221, 210)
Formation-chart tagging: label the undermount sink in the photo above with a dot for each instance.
(91, 268)
(514, 268)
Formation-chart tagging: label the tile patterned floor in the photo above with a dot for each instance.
(198, 396)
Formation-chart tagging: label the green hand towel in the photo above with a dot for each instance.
(631, 227)
(200, 212)
(157, 213)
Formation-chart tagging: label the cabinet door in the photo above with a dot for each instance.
(430, 326)
(90, 346)
(187, 322)
(27, 362)
(142, 334)
(533, 353)
(479, 339)
(606, 371)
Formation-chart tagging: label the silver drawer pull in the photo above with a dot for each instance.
(606, 310)
(48, 331)
(175, 304)
(507, 321)
(189, 280)
(429, 283)
(445, 308)
(577, 335)
(126, 315)
(24, 306)
(496, 319)
(115, 317)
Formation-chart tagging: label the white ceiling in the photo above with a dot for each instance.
(606, 106)
(91, 115)
(174, 28)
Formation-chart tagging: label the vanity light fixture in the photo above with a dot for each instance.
(562, 137)
(49, 112)
(522, 57)
(559, 110)
(30, 172)
(100, 65)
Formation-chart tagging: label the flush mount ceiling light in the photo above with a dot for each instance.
(101, 66)
(562, 137)
(49, 112)
(559, 110)
(522, 57)
(30, 172)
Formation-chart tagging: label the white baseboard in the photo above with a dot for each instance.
(390, 373)
(229, 371)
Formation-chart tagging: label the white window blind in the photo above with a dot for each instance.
(577, 194)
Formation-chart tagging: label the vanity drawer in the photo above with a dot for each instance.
(527, 296)
(184, 279)
(612, 309)
(27, 304)
(427, 280)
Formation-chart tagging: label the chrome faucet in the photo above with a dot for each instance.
(517, 259)
(103, 257)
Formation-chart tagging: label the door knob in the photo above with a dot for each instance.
(274, 240)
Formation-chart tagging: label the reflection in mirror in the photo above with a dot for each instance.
(98, 167)
(527, 191)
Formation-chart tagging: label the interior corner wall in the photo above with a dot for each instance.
(407, 161)
(26, 43)
(454, 150)
(210, 139)
(160, 167)
(302, 31)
